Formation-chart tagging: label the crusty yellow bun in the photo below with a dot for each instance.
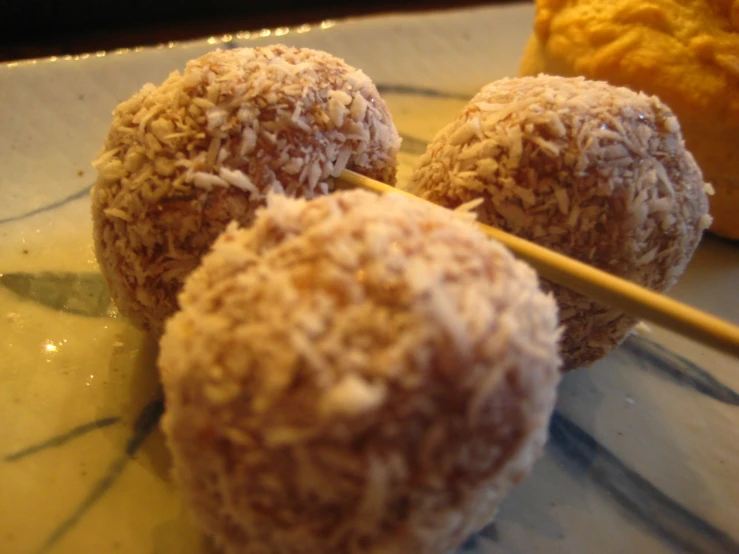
(686, 52)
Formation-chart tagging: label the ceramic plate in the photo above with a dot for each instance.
(643, 448)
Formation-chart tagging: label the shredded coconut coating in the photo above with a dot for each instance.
(596, 172)
(183, 159)
(684, 51)
(356, 374)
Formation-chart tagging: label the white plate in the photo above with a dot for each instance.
(644, 445)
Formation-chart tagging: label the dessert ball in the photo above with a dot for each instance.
(183, 159)
(595, 172)
(356, 373)
(686, 52)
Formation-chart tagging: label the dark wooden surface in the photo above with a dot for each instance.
(39, 28)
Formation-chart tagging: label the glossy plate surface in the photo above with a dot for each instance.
(644, 446)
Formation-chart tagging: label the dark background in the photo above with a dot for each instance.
(38, 28)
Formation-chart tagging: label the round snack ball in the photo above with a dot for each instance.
(356, 373)
(595, 172)
(183, 159)
(684, 51)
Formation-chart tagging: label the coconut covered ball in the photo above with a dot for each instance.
(356, 374)
(595, 172)
(183, 159)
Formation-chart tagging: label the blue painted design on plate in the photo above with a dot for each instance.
(84, 294)
(412, 145)
(58, 204)
(637, 497)
(470, 546)
(64, 438)
(653, 356)
(145, 424)
(490, 531)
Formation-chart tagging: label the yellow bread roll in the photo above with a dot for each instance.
(687, 53)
